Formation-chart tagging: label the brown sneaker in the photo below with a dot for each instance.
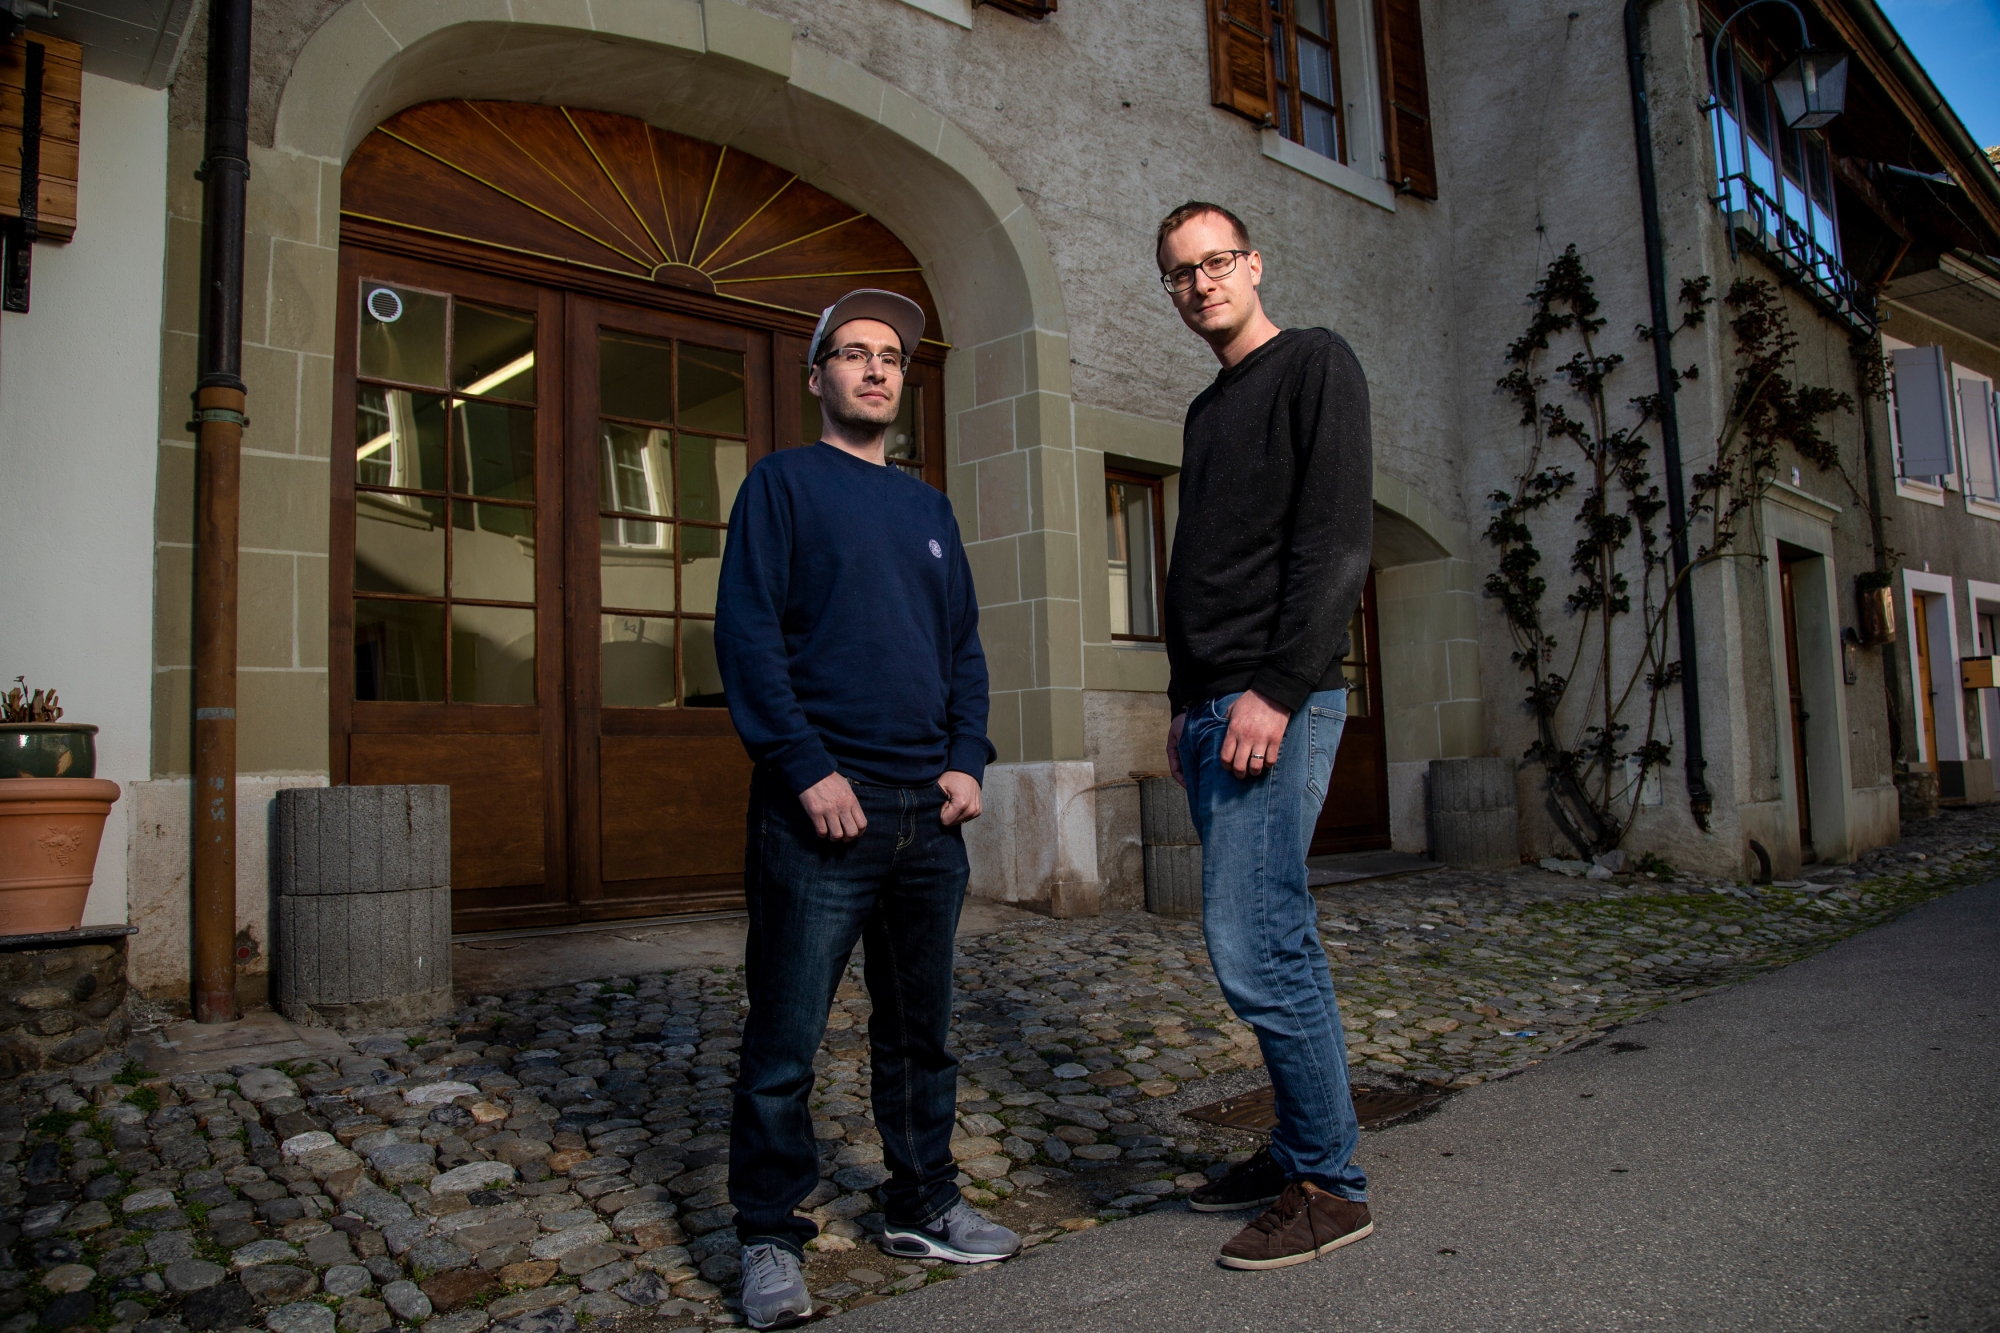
(1255, 1183)
(1305, 1223)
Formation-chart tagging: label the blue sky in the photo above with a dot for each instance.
(1958, 42)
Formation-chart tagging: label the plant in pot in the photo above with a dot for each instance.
(52, 813)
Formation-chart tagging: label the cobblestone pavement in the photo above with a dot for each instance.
(555, 1157)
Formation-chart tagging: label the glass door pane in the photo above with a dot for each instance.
(673, 449)
(445, 588)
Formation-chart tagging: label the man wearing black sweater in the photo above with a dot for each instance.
(1270, 556)
(847, 634)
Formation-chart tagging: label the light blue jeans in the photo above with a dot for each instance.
(1262, 926)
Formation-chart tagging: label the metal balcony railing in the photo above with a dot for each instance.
(1756, 218)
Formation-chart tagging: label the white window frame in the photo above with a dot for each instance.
(1365, 173)
(1984, 599)
(1944, 654)
(1910, 488)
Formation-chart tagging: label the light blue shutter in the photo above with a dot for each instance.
(1923, 411)
(1975, 416)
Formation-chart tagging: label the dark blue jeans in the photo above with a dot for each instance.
(1262, 927)
(898, 887)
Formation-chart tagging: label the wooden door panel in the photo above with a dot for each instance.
(673, 806)
(1355, 817)
(1354, 793)
(569, 810)
(497, 798)
(1356, 814)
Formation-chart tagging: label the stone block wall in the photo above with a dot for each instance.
(60, 1006)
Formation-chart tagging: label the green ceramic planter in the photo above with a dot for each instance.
(48, 750)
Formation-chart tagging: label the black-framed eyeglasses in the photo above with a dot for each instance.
(856, 358)
(1218, 266)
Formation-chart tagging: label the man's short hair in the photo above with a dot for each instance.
(1188, 212)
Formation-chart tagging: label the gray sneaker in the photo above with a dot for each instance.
(774, 1291)
(961, 1236)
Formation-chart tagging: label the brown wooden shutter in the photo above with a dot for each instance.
(60, 114)
(1027, 9)
(1406, 98)
(1239, 57)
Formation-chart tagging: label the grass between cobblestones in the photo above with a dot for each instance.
(594, 1117)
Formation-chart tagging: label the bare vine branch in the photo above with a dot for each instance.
(1619, 542)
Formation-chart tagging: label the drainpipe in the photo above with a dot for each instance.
(1890, 675)
(1700, 802)
(219, 402)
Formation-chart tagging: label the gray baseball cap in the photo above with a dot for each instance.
(900, 313)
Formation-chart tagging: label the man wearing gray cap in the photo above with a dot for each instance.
(847, 634)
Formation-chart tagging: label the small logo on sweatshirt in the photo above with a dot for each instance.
(937, 550)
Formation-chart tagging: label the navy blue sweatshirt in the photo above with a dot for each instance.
(847, 629)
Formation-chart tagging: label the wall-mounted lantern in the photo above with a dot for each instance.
(1812, 90)
(1876, 604)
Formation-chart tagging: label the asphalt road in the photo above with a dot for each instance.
(1815, 1149)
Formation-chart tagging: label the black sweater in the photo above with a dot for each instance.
(1276, 524)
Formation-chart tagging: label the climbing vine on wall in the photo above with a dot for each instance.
(1596, 689)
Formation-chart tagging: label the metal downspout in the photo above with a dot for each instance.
(1700, 802)
(219, 421)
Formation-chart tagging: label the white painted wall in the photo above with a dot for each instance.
(79, 434)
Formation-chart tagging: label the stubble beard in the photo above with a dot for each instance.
(850, 412)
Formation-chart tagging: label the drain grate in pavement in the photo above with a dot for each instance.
(1257, 1110)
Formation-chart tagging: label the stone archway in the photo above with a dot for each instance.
(718, 72)
(721, 72)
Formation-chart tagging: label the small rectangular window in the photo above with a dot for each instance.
(1306, 75)
(1135, 553)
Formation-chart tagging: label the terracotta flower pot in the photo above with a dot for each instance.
(49, 831)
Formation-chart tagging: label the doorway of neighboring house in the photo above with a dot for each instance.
(552, 396)
(1355, 817)
(1796, 711)
(1920, 645)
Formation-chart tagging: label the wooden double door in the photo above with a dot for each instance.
(525, 561)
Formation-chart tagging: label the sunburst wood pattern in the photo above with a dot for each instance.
(615, 194)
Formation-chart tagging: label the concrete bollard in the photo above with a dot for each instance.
(364, 904)
(1172, 849)
(1474, 822)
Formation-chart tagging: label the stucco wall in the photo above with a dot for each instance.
(1571, 177)
(77, 411)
